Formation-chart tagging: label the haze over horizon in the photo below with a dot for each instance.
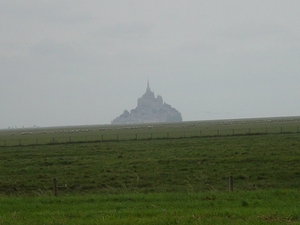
(83, 63)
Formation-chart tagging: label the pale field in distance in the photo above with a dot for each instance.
(89, 133)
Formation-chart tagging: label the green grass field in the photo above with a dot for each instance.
(155, 181)
(250, 207)
(166, 165)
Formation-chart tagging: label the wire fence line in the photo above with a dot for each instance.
(117, 135)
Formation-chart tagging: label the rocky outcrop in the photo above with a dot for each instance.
(149, 110)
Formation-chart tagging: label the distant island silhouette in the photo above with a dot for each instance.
(149, 110)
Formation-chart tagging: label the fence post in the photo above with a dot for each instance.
(54, 187)
(230, 184)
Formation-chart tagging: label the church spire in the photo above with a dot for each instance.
(148, 87)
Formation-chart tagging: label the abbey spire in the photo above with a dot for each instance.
(148, 87)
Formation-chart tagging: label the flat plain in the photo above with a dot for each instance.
(158, 179)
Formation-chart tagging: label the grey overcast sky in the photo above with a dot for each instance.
(69, 62)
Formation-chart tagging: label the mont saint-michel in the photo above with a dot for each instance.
(149, 110)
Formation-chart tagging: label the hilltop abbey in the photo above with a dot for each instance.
(149, 110)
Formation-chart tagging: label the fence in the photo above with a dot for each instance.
(141, 134)
(56, 187)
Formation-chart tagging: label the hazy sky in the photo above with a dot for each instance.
(67, 62)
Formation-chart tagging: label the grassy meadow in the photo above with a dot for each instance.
(255, 207)
(154, 180)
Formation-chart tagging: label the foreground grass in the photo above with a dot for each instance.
(162, 181)
(246, 207)
(177, 165)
